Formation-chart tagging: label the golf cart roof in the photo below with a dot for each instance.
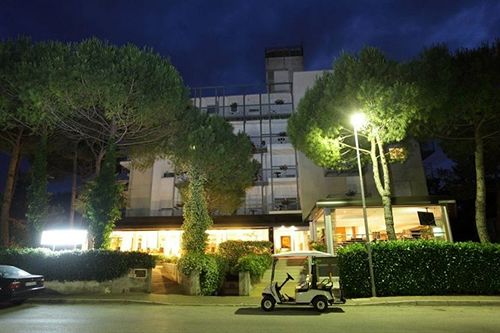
(302, 254)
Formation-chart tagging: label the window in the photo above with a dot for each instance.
(212, 109)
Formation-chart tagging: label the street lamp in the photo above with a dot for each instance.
(358, 120)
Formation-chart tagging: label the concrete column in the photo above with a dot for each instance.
(446, 223)
(334, 227)
(312, 231)
(244, 284)
(328, 230)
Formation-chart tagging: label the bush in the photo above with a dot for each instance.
(255, 264)
(160, 258)
(97, 265)
(233, 250)
(209, 268)
(421, 268)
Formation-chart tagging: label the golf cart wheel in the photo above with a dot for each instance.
(320, 303)
(267, 303)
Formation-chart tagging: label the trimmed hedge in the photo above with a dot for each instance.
(421, 268)
(97, 265)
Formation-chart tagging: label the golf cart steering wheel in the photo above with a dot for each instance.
(289, 277)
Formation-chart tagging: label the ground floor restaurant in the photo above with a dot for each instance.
(336, 223)
(341, 221)
(162, 235)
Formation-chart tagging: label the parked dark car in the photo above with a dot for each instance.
(17, 285)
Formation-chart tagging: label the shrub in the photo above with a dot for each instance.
(255, 264)
(160, 258)
(207, 266)
(318, 246)
(97, 265)
(233, 250)
(421, 268)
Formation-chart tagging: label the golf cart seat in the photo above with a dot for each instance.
(321, 286)
(302, 287)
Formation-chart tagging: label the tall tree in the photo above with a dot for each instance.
(38, 200)
(459, 96)
(369, 83)
(123, 96)
(119, 97)
(196, 217)
(103, 202)
(27, 73)
(208, 145)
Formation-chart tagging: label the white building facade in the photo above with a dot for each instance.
(291, 198)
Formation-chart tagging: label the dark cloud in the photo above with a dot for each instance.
(221, 42)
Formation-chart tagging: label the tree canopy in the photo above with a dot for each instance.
(460, 102)
(118, 94)
(367, 83)
(27, 74)
(208, 145)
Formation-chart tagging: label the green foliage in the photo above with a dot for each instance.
(246, 256)
(194, 238)
(28, 73)
(318, 246)
(458, 92)
(459, 101)
(207, 266)
(421, 268)
(233, 250)
(99, 265)
(37, 196)
(196, 217)
(368, 83)
(103, 201)
(255, 264)
(225, 160)
(160, 258)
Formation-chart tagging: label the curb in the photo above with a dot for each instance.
(430, 303)
(124, 301)
(348, 304)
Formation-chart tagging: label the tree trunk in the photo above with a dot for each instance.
(498, 210)
(481, 227)
(73, 187)
(9, 190)
(383, 188)
(98, 162)
(387, 197)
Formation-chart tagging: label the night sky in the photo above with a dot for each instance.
(221, 42)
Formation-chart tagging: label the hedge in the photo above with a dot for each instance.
(233, 250)
(421, 268)
(255, 264)
(97, 265)
(209, 267)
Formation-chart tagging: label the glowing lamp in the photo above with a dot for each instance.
(358, 120)
(64, 237)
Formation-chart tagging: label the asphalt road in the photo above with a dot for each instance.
(141, 318)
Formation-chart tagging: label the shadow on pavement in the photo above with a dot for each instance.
(8, 307)
(282, 311)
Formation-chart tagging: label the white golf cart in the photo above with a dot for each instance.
(309, 291)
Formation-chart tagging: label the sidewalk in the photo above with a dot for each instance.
(184, 300)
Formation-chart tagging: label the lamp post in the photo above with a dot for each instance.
(358, 120)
